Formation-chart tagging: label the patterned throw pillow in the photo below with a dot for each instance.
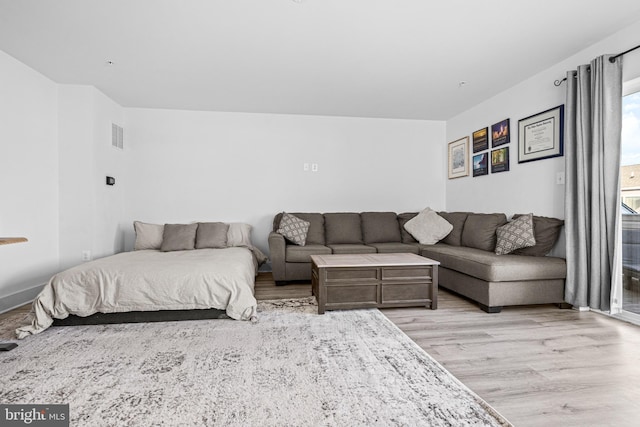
(516, 234)
(294, 228)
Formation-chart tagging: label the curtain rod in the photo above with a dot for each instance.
(612, 59)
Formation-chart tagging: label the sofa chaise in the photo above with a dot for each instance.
(468, 264)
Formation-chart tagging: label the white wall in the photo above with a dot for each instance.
(108, 161)
(56, 151)
(527, 187)
(28, 176)
(206, 166)
(77, 198)
(90, 211)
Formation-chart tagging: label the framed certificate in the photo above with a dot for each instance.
(541, 136)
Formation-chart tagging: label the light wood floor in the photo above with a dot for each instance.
(538, 366)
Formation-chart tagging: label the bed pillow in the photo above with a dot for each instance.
(239, 234)
(148, 236)
(211, 235)
(516, 234)
(428, 227)
(294, 229)
(179, 237)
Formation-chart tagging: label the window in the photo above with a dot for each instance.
(630, 197)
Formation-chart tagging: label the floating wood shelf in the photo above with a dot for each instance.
(10, 240)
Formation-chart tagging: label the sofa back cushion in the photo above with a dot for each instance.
(402, 220)
(546, 231)
(380, 227)
(342, 228)
(457, 219)
(315, 234)
(479, 230)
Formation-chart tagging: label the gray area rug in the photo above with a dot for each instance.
(292, 368)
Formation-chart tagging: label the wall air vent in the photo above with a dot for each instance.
(117, 136)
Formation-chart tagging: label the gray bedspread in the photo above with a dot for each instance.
(150, 280)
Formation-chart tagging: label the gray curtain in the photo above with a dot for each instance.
(593, 124)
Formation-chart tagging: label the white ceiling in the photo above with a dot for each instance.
(365, 58)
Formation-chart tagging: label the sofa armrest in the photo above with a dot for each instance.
(277, 248)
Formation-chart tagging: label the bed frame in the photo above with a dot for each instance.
(141, 317)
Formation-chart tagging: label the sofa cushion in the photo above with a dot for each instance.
(479, 230)
(211, 235)
(546, 231)
(352, 248)
(402, 220)
(428, 227)
(380, 227)
(395, 248)
(179, 237)
(295, 253)
(315, 235)
(342, 228)
(495, 268)
(456, 219)
(515, 234)
(293, 228)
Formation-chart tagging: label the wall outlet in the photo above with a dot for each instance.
(314, 167)
(86, 255)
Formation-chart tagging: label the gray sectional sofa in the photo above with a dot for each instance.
(468, 265)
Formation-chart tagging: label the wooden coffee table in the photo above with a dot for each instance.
(374, 280)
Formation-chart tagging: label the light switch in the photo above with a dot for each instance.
(305, 167)
(560, 178)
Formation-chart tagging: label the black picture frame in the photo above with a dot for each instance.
(500, 160)
(480, 164)
(500, 133)
(480, 139)
(541, 136)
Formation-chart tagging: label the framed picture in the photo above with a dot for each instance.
(480, 140)
(541, 136)
(500, 160)
(481, 164)
(500, 134)
(459, 158)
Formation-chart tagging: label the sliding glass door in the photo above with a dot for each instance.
(630, 198)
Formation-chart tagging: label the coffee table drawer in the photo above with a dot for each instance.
(407, 292)
(342, 274)
(364, 294)
(406, 273)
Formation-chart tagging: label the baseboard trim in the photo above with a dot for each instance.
(19, 298)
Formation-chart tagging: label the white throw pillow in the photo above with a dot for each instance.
(428, 227)
(148, 236)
